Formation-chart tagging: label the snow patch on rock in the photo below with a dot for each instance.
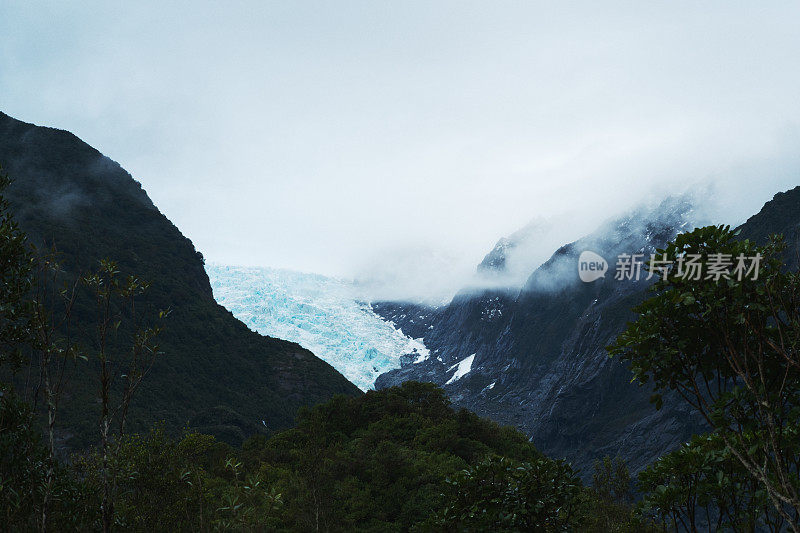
(463, 369)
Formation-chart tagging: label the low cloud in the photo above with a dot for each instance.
(397, 142)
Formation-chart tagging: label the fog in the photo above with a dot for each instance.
(398, 141)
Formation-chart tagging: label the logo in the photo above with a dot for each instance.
(591, 266)
(691, 267)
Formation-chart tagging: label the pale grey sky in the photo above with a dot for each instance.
(330, 136)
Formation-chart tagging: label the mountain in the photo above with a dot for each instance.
(535, 357)
(511, 256)
(215, 375)
(781, 215)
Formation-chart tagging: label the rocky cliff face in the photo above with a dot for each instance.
(539, 352)
(215, 375)
(537, 357)
(781, 215)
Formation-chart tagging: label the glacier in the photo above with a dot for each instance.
(323, 314)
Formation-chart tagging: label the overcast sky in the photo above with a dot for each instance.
(327, 136)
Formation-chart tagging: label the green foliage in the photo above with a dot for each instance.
(16, 261)
(729, 348)
(611, 480)
(395, 460)
(387, 461)
(607, 506)
(247, 502)
(124, 344)
(191, 484)
(24, 465)
(378, 462)
(499, 494)
(22, 462)
(702, 486)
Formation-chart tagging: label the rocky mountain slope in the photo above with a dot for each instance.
(535, 357)
(781, 215)
(216, 374)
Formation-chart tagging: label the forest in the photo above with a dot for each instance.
(398, 459)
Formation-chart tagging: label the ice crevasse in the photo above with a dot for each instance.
(320, 313)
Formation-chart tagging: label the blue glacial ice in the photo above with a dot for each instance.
(320, 313)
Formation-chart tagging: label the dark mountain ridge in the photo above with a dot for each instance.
(540, 361)
(216, 374)
(781, 215)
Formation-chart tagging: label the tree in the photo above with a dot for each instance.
(54, 349)
(608, 504)
(126, 352)
(16, 263)
(611, 480)
(702, 486)
(728, 347)
(22, 464)
(166, 484)
(31, 326)
(499, 494)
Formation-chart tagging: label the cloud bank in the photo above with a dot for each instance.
(383, 138)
